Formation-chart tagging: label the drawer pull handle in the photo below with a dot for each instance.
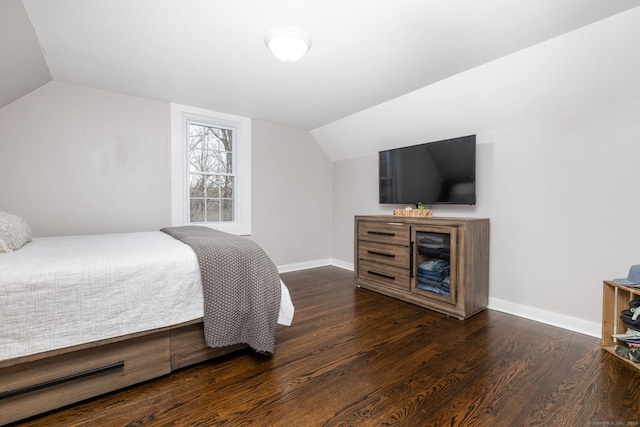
(381, 254)
(382, 275)
(381, 233)
(11, 393)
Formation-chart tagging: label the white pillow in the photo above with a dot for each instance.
(14, 232)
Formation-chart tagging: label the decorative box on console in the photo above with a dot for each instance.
(424, 213)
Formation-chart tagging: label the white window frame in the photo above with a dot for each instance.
(180, 171)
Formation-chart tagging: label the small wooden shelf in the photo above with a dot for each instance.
(615, 298)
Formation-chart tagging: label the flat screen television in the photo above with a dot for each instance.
(440, 172)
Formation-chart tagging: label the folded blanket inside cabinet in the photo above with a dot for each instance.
(241, 288)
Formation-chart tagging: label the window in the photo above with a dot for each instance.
(211, 172)
(211, 169)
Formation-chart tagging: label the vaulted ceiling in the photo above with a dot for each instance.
(211, 53)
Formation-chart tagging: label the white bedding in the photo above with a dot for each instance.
(57, 292)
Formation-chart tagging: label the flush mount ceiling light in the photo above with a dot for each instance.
(288, 44)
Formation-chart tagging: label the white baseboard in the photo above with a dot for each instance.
(554, 319)
(342, 264)
(313, 264)
(303, 265)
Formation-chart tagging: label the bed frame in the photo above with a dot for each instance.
(31, 385)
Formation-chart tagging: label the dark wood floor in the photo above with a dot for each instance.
(357, 358)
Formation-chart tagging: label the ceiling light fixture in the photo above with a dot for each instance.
(288, 44)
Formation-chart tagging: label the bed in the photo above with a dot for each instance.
(84, 315)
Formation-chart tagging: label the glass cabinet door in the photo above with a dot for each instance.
(435, 264)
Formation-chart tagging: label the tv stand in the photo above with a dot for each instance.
(437, 263)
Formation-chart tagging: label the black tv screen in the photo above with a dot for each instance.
(432, 173)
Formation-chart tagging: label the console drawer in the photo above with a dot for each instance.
(398, 256)
(384, 274)
(384, 232)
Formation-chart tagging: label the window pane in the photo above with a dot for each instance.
(197, 149)
(222, 162)
(196, 186)
(227, 210)
(197, 210)
(212, 189)
(213, 210)
(226, 188)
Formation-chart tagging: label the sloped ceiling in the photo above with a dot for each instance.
(211, 53)
(22, 64)
(591, 69)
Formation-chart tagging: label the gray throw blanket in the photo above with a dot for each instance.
(241, 287)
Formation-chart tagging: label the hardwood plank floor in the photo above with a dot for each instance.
(356, 358)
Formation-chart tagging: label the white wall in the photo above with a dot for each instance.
(557, 128)
(76, 160)
(291, 196)
(576, 223)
